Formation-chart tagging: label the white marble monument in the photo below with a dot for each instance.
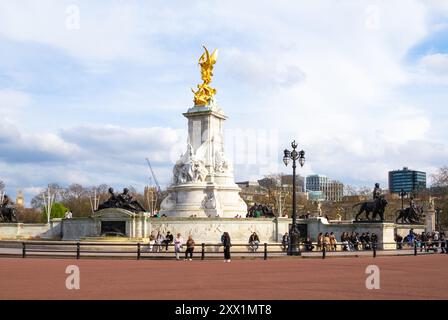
(203, 184)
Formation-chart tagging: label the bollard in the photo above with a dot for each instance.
(374, 250)
(23, 249)
(323, 252)
(138, 251)
(202, 251)
(415, 248)
(265, 251)
(78, 250)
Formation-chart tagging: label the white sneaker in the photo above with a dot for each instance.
(190, 259)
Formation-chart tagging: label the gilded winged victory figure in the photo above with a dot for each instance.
(204, 93)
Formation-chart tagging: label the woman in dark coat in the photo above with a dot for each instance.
(226, 243)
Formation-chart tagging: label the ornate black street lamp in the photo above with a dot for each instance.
(294, 234)
(402, 195)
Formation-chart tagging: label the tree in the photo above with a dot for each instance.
(37, 201)
(440, 178)
(364, 191)
(28, 215)
(2, 185)
(58, 210)
(77, 198)
(349, 190)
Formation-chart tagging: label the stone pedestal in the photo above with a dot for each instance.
(203, 183)
(430, 220)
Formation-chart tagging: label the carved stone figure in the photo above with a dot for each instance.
(190, 167)
(209, 201)
(431, 204)
(169, 202)
(221, 162)
(200, 171)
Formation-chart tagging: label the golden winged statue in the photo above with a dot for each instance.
(204, 93)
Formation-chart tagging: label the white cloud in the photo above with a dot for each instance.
(437, 62)
(12, 102)
(319, 72)
(105, 32)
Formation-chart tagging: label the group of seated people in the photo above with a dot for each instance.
(156, 214)
(354, 241)
(428, 241)
(259, 210)
(156, 243)
(328, 241)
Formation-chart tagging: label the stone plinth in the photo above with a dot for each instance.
(430, 220)
(78, 228)
(384, 230)
(203, 183)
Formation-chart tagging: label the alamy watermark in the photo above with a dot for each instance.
(373, 17)
(373, 280)
(73, 281)
(258, 148)
(72, 18)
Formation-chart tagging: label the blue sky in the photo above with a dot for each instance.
(88, 89)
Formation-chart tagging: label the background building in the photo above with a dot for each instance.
(408, 180)
(316, 196)
(20, 199)
(286, 180)
(333, 190)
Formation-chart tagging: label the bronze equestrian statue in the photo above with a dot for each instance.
(7, 211)
(411, 214)
(377, 207)
(123, 201)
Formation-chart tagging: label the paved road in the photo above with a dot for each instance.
(404, 277)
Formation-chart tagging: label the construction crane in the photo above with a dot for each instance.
(153, 176)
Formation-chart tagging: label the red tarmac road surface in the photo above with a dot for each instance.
(408, 277)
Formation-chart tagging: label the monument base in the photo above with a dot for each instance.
(139, 227)
(203, 200)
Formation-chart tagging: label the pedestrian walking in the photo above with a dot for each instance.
(227, 244)
(285, 241)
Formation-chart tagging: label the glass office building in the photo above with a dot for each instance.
(408, 180)
(333, 190)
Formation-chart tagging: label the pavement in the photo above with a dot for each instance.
(287, 278)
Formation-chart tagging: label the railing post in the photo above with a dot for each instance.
(374, 249)
(78, 250)
(323, 251)
(23, 249)
(415, 247)
(138, 251)
(265, 251)
(202, 251)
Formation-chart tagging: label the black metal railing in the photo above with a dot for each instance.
(139, 250)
